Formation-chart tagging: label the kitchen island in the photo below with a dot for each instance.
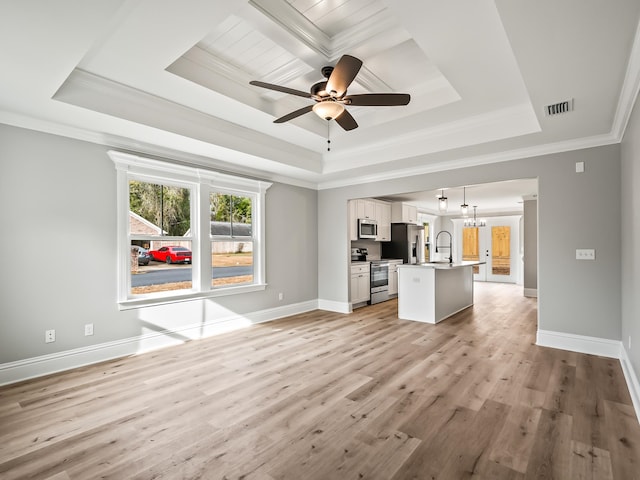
(431, 292)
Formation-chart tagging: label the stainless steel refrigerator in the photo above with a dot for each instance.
(407, 243)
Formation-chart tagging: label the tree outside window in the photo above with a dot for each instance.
(232, 239)
(162, 206)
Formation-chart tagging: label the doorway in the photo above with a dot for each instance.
(496, 244)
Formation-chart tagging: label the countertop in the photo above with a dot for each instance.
(387, 260)
(441, 265)
(376, 260)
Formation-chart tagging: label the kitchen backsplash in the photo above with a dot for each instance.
(373, 248)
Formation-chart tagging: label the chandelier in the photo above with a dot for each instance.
(475, 222)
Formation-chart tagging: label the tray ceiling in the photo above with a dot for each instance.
(172, 78)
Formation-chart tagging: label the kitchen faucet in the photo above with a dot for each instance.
(450, 244)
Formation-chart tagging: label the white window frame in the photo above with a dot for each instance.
(231, 237)
(201, 183)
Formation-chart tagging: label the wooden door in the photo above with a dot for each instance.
(501, 250)
(471, 246)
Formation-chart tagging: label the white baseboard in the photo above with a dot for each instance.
(633, 382)
(531, 292)
(579, 343)
(331, 306)
(596, 346)
(56, 362)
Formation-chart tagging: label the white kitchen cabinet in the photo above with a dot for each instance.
(373, 210)
(383, 217)
(366, 208)
(393, 277)
(404, 213)
(360, 283)
(432, 292)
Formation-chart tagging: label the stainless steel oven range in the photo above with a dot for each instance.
(379, 281)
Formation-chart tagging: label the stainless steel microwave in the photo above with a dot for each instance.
(367, 228)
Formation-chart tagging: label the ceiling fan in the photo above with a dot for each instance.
(331, 95)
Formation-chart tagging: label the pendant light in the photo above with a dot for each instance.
(464, 208)
(443, 203)
(474, 222)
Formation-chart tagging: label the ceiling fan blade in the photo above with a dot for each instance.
(279, 88)
(346, 121)
(343, 74)
(292, 115)
(378, 99)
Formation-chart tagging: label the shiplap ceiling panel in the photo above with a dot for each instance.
(236, 42)
(335, 16)
(225, 34)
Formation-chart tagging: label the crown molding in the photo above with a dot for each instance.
(139, 147)
(102, 95)
(136, 146)
(629, 92)
(435, 136)
(331, 48)
(474, 161)
(297, 24)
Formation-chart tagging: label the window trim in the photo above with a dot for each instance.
(231, 238)
(201, 183)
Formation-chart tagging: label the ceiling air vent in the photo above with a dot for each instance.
(558, 108)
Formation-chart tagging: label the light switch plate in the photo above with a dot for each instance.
(579, 167)
(585, 254)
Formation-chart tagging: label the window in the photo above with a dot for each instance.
(160, 223)
(231, 239)
(186, 233)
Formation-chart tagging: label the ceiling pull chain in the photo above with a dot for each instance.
(328, 135)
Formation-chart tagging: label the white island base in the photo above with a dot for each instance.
(431, 292)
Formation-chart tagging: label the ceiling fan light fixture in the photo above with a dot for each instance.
(319, 90)
(331, 95)
(328, 109)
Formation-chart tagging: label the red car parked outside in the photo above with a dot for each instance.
(171, 254)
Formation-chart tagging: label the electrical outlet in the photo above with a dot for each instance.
(88, 329)
(49, 336)
(280, 296)
(585, 254)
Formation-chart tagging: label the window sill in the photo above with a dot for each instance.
(186, 297)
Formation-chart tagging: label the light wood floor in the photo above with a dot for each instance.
(331, 396)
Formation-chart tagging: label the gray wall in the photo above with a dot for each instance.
(630, 153)
(575, 211)
(530, 241)
(58, 220)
